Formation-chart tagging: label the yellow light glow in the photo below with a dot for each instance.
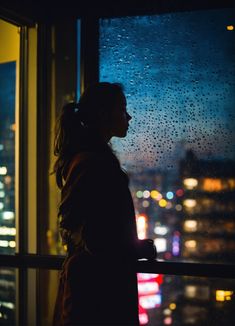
(190, 244)
(190, 183)
(12, 244)
(162, 203)
(141, 226)
(189, 203)
(172, 306)
(154, 194)
(230, 27)
(190, 225)
(3, 170)
(221, 295)
(13, 127)
(7, 231)
(212, 184)
(231, 184)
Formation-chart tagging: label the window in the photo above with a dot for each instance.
(178, 74)
(177, 67)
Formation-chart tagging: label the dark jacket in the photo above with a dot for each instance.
(98, 284)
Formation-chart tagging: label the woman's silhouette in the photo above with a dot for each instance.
(98, 284)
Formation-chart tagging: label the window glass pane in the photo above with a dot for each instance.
(7, 296)
(178, 72)
(9, 73)
(181, 300)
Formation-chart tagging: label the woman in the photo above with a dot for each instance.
(98, 284)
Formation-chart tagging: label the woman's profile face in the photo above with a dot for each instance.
(120, 117)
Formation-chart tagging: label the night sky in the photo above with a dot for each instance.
(178, 71)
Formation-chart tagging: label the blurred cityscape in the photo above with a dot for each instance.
(190, 216)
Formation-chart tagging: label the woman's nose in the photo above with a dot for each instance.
(129, 117)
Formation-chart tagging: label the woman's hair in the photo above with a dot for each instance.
(78, 121)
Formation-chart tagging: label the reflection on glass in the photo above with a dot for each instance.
(180, 151)
(7, 297)
(175, 300)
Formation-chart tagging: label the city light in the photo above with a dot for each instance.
(7, 231)
(141, 226)
(168, 321)
(3, 170)
(178, 207)
(1, 147)
(169, 195)
(146, 194)
(4, 243)
(148, 287)
(2, 194)
(7, 215)
(1, 205)
(190, 225)
(190, 183)
(222, 295)
(172, 306)
(167, 312)
(179, 192)
(150, 301)
(12, 244)
(161, 244)
(190, 203)
(143, 318)
(161, 230)
(154, 194)
(169, 205)
(159, 196)
(190, 244)
(190, 291)
(212, 184)
(145, 203)
(162, 203)
(230, 28)
(139, 194)
(176, 243)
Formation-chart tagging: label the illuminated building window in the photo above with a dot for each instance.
(190, 225)
(190, 183)
(3, 170)
(222, 295)
(191, 245)
(211, 185)
(189, 203)
(141, 222)
(200, 292)
(161, 244)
